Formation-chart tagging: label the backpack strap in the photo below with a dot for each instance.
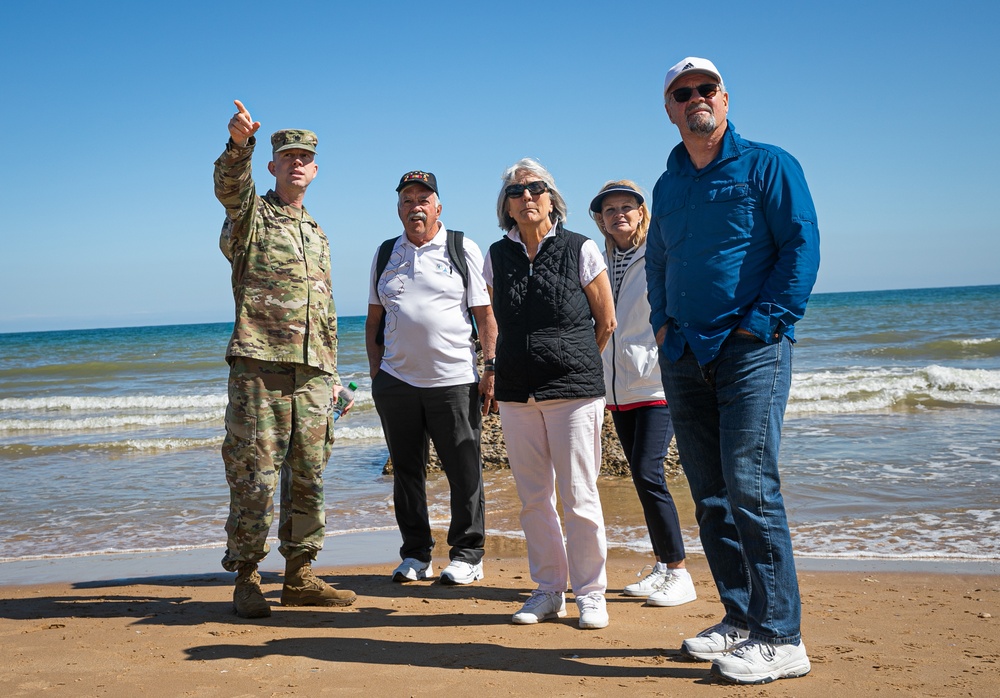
(384, 252)
(456, 252)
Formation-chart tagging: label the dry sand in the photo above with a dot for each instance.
(868, 633)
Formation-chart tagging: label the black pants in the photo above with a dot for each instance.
(450, 417)
(645, 433)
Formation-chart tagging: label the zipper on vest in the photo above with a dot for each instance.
(527, 334)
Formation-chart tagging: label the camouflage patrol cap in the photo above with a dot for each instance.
(289, 138)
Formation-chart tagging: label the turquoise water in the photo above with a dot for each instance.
(110, 438)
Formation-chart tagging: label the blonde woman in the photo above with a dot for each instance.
(635, 393)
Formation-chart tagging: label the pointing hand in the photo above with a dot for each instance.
(242, 126)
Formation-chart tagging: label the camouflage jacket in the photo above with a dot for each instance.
(281, 272)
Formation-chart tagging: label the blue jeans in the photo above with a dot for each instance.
(728, 417)
(645, 434)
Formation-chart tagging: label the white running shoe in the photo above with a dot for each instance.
(593, 611)
(676, 589)
(462, 572)
(754, 661)
(412, 570)
(541, 605)
(650, 583)
(713, 642)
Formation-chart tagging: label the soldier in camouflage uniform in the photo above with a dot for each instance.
(283, 367)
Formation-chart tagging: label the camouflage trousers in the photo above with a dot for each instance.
(278, 425)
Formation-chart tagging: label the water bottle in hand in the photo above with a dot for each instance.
(344, 399)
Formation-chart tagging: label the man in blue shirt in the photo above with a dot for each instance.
(732, 255)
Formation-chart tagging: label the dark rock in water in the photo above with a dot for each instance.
(495, 453)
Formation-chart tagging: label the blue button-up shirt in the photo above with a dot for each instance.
(733, 245)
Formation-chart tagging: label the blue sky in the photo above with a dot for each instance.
(112, 114)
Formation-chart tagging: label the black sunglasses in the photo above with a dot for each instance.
(516, 191)
(683, 94)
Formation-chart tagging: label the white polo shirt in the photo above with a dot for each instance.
(427, 328)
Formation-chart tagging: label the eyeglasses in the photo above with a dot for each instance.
(516, 191)
(683, 94)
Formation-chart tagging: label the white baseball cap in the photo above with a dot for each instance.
(690, 65)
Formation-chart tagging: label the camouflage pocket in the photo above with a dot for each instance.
(239, 449)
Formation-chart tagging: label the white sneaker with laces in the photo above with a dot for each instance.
(462, 572)
(755, 661)
(412, 570)
(676, 589)
(713, 642)
(650, 583)
(593, 611)
(541, 605)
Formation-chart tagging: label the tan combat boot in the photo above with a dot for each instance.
(248, 599)
(303, 588)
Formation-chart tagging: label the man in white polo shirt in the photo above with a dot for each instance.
(424, 378)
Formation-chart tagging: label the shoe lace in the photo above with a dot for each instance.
(653, 575)
(646, 567)
(590, 602)
(536, 599)
(766, 650)
(668, 582)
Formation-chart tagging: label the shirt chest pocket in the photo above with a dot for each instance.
(731, 207)
(282, 252)
(670, 217)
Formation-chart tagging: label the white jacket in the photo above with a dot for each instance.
(631, 371)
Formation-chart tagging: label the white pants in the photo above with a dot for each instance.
(558, 443)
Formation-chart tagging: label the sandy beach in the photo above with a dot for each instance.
(869, 632)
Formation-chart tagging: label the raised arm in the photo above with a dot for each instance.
(234, 187)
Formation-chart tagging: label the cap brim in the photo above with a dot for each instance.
(295, 146)
(595, 204)
(404, 185)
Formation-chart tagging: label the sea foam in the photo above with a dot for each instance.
(859, 389)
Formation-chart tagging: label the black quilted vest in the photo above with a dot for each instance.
(545, 345)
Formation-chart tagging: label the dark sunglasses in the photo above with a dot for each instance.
(516, 191)
(683, 94)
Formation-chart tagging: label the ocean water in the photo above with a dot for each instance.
(109, 439)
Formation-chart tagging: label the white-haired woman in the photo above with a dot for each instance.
(552, 302)
(635, 392)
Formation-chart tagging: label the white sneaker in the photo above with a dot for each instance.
(676, 589)
(713, 642)
(593, 611)
(412, 570)
(650, 583)
(461, 572)
(542, 605)
(754, 661)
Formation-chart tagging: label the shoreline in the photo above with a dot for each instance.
(174, 634)
(379, 548)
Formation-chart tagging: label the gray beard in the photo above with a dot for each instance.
(702, 122)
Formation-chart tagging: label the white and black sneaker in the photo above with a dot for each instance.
(713, 642)
(412, 570)
(462, 572)
(755, 661)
